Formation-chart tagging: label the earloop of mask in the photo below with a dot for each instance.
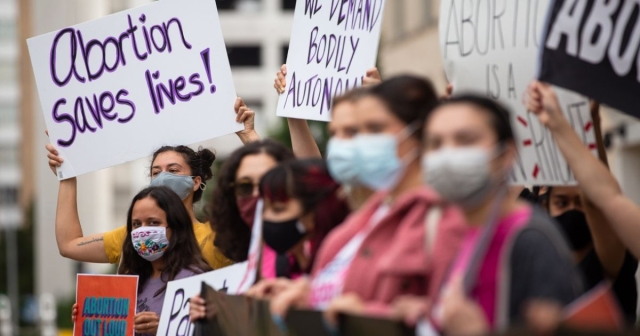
(408, 132)
(203, 186)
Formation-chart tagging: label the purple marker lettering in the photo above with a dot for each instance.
(195, 80)
(132, 29)
(94, 109)
(157, 28)
(312, 45)
(64, 117)
(354, 48)
(129, 103)
(292, 91)
(52, 58)
(167, 33)
(106, 109)
(147, 75)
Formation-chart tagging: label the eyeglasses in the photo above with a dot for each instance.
(244, 188)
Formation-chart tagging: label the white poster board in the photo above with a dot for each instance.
(255, 249)
(492, 48)
(174, 320)
(333, 44)
(115, 89)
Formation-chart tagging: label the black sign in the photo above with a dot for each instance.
(593, 47)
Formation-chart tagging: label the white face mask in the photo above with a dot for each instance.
(150, 241)
(460, 175)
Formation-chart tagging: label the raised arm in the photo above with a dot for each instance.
(304, 145)
(246, 116)
(72, 243)
(609, 248)
(596, 182)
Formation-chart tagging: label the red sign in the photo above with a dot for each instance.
(106, 305)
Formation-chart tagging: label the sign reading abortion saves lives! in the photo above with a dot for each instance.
(592, 47)
(114, 89)
(491, 48)
(106, 304)
(333, 44)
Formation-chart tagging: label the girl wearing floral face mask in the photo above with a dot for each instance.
(512, 253)
(160, 247)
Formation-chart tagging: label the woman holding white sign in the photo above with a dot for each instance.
(342, 128)
(160, 247)
(180, 168)
(378, 253)
(512, 254)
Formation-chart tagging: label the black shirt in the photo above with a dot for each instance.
(624, 285)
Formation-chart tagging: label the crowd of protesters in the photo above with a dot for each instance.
(410, 216)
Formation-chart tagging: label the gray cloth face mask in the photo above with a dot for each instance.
(180, 184)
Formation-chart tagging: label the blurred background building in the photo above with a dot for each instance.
(257, 34)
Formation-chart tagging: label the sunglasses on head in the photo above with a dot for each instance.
(244, 187)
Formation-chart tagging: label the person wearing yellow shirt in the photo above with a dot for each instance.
(179, 168)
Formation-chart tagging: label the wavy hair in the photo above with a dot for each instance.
(233, 235)
(183, 251)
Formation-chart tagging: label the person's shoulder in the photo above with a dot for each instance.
(202, 228)
(188, 272)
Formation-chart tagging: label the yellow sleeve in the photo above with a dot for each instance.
(205, 237)
(113, 241)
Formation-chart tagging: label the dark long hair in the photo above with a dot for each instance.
(200, 163)
(233, 235)
(183, 251)
(309, 182)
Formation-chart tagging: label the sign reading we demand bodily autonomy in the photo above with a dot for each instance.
(333, 44)
(492, 48)
(114, 89)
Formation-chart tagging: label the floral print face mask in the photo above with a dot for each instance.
(150, 241)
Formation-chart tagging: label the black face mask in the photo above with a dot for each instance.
(282, 236)
(573, 224)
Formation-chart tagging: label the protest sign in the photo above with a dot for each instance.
(114, 89)
(592, 47)
(175, 308)
(491, 48)
(255, 247)
(333, 44)
(106, 304)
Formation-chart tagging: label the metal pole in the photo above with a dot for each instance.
(12, 274)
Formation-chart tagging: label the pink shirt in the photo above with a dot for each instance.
(484, 291)
(328, 283)
(269, 257)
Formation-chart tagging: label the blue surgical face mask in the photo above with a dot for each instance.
(379, 166)
(180, 184)
(342, 160)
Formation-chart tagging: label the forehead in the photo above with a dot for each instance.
(454, 117)
(565, 191)
(371, 108)
(255, 165)
(165, 159)
(147, 207)
(342, 114)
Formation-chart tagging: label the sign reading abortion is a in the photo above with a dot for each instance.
(114, 89)
(333, 44)
(491, 48)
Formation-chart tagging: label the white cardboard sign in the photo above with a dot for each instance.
(114, 89)
(255, 249)
(333, 44)
(491, 48)
(174, 320)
